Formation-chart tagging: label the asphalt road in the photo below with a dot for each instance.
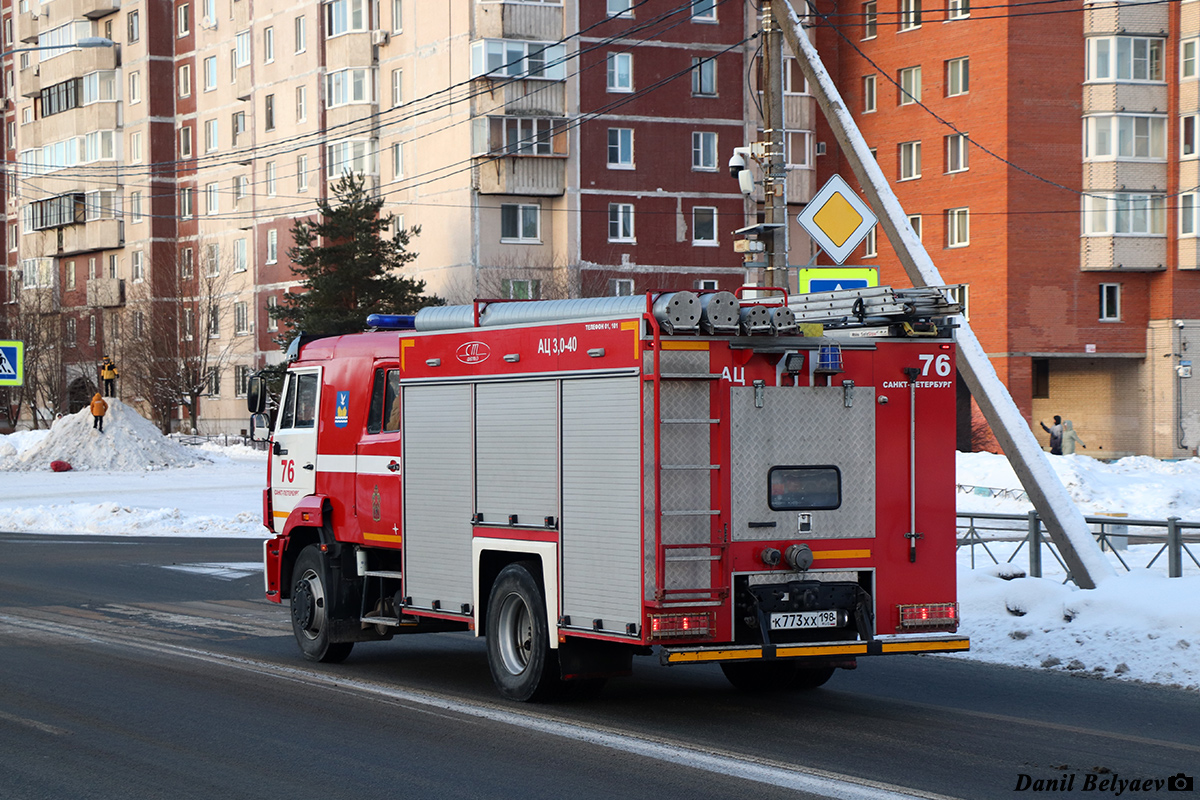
(124, 676)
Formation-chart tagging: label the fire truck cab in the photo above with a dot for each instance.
(765, 484)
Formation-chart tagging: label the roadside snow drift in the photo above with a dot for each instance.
(129, 443)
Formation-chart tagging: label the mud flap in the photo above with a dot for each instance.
(579, 659)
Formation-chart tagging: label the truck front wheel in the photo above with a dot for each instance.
(310, 610)
(518, 639)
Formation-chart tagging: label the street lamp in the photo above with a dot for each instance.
(83, 41)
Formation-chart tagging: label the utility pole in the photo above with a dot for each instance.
(774, 167)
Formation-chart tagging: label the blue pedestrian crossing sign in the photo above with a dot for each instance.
(12, 363)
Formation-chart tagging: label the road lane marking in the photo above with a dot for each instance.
(31, 723)
(818, 782)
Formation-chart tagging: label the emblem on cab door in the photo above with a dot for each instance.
(375, 513)
(473, 352)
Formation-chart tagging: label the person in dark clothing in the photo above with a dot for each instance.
(1056, 435)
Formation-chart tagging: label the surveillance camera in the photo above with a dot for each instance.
(745, 180)
(736, 164)
(1178, 323)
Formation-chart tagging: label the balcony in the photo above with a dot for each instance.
(105, 292)
(30, 81)
(348, 50)
(1122, 253)
(79, 62)
(245, 81)
(27, 27)
(94, 9)
(502, 20)
(70, 240)
(536, 176)
(339, 119)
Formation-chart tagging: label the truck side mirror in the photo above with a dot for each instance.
(260, 428)
(256, 395)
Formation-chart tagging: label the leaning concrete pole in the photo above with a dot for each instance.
(1064, 523)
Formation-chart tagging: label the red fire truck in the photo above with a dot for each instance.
(765, 484)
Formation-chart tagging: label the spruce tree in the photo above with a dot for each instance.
(348, 266)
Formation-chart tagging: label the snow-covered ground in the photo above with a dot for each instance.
(1140, 625)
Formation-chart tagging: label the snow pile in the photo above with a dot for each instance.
(1140, 625)
(1139, 486)
(129, 442)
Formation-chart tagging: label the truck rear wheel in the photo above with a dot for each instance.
(310, 610)
(518, 639)
(775, 676)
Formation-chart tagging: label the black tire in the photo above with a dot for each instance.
(523, 666)
(311, 607)
(774, 676)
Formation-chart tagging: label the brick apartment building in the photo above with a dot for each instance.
(1081, 259)
(578, 147)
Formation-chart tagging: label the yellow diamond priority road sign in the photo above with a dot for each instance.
(837, 219)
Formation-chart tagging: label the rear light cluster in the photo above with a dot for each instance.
(929, 617)
(673, 626)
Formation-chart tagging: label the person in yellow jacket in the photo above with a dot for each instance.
(108, 373)
(98, 409)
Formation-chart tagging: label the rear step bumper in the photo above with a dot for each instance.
(879, 646)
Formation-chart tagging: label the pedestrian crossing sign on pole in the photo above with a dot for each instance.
(837, 219)
(12, 363)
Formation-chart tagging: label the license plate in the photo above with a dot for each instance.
(804, 619)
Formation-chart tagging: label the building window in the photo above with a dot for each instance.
(1125, 215)
(620, 287)
(302, 173)
(272, 246)
(183, 20)
(868, 93)
(797, 149)
(910, 14)
(346, 86)
(135, 148)
(520, 289)
(301, 103)
(70, 275)
(239, 255)
(910, 85)
(210, 73)
(517, 58)
(135, 206)
(92, 330)
(958, 76)
(1187, 58)
(272, 304)
(210, 135)
(212, 381)
(212, 198)
(704, 151)
(620, 8)
(910, 160)
(212, 260)
(1110, 302)
(355, 156)
(242, 49)
(956, 152)
(186, 263)
(869, 243)
(397, 87)
(344, 16)
(704, 226)
(139, 324)
(914, 220)
(1187, 136)
(704, 10)
(1124, 58)
(620, 72)
(133, 21)
(238, 126)
(1126, 137)
(268, 45)
(397, 159)
(72, 335)
(137, 269)
(1187, 214)
(300, 30)
(794, 81)
(397, 16)
(520, 222)
(241, 379)
(241, 318)
(620, 148)
(185, 80)
(958, 9)
(704, 77)
(272, 184)
(135, 87)
(958, 227)
(869, 20)
(188, 324)
(620, 222)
